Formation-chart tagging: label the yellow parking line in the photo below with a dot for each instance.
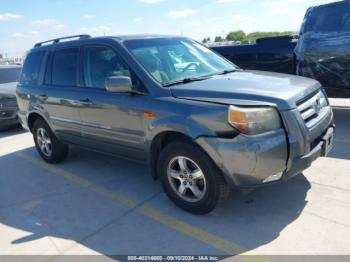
(194, 232)
(56, 170)
(180, 226)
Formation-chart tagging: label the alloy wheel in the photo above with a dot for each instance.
(44, 142)
(186, 179)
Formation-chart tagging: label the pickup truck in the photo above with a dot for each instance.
(322, 51)
(9, 76)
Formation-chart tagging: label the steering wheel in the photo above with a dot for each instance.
(189, 66)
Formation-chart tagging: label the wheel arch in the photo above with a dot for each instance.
(159, 142)
(32, 117)
(169, 129)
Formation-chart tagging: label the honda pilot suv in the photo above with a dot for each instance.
(202, 124)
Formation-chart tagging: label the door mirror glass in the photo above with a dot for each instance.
(119, 84)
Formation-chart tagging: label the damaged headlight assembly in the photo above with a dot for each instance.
(254, 120)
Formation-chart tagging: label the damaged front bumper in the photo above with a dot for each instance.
(252, 161)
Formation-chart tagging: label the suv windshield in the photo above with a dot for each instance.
(172, 60)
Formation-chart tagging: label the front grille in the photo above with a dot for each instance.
(6, 102)
(313, 109)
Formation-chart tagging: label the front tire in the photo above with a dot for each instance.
(47, 144)
(190, 178)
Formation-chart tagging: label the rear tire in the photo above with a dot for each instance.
(190, 178)
(47, 144)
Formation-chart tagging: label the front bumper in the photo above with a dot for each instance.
(8, 117)
(303, 162)
(249, 161)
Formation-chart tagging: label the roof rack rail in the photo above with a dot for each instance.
(58, 40)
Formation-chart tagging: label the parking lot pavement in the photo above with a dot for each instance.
(98, 204)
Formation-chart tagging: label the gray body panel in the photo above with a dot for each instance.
(115, 122)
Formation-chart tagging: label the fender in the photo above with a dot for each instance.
(176, 123)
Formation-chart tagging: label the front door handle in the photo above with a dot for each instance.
(85, 101)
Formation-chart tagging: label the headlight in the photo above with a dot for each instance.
(255, 120)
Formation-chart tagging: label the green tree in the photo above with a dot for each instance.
(247, 38)
(218, 39)
(1, 56)
(236, 36)
(243, 37)
(206, 40)
(255, 35)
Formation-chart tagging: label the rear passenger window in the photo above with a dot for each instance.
(101, 63)
(31, 69)
(64, 70)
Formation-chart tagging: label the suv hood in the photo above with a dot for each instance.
(8, 89)
(249, 88)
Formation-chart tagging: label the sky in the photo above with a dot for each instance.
(25, 22)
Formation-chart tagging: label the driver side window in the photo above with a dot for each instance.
(101, 63)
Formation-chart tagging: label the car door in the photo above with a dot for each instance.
(112, 122)
(62, 92)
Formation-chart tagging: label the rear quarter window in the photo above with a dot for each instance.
(31, 68)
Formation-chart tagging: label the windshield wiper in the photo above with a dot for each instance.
(225, 72)
(192, 79)
(187, 80)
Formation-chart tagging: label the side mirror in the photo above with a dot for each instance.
(119, 84)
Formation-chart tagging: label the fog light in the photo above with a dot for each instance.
(274, 177)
